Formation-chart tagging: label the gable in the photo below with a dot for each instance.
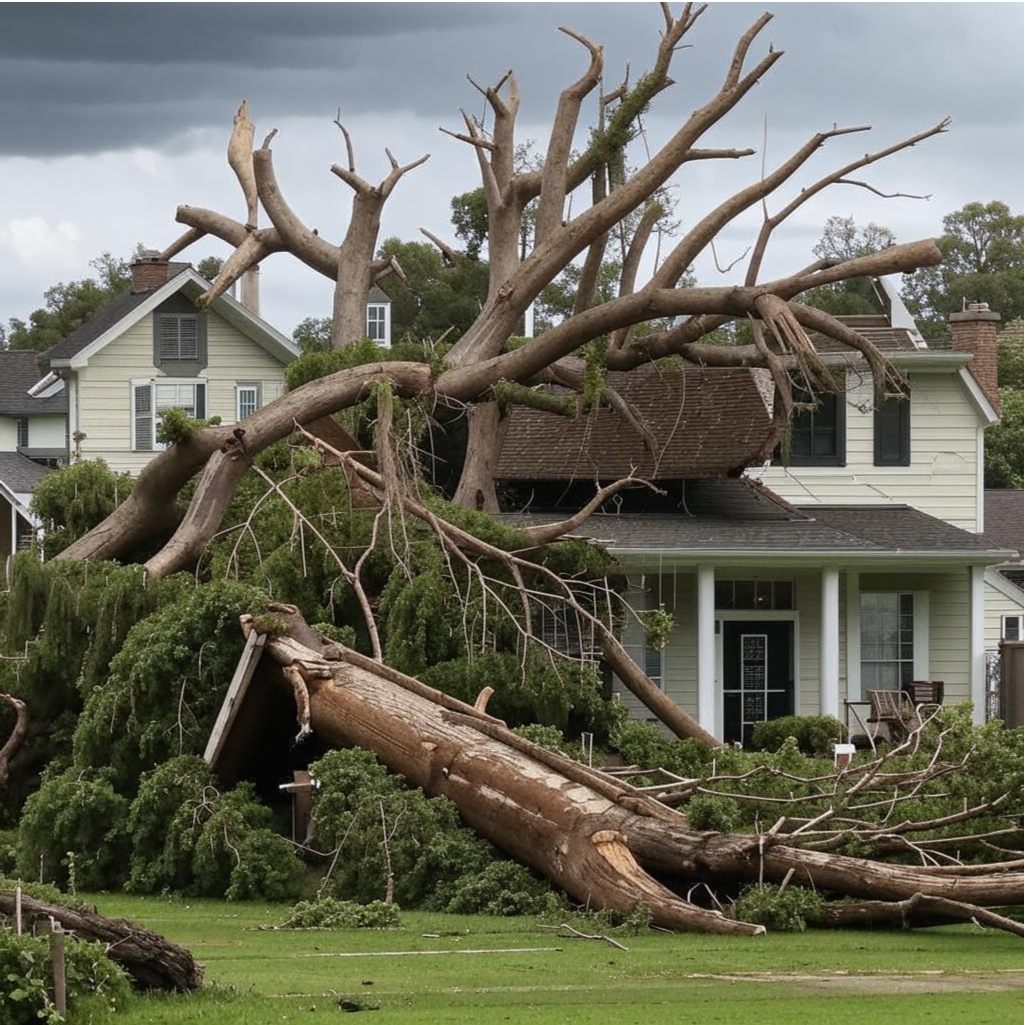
(126, 310)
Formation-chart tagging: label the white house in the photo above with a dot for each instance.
(100, 392)
(859, 565)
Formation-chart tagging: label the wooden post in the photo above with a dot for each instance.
(60, 992)
(17, 911)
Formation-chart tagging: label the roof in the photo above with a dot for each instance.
(105, 318)
(707, 422)
(19, 370)
(18, 473)
(739, 516)
(876, 329)
(377, 295)
(1004, 518)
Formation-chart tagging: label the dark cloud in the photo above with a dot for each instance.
(81, 78)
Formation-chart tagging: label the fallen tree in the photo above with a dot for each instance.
(151, 961)
(601, 840)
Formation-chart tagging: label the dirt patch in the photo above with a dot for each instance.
(907, 982)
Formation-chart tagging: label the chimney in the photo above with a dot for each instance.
(975, 331)
(149, 272)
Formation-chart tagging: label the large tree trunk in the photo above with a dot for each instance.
(595, 838)
(485, 432)
(151, 961)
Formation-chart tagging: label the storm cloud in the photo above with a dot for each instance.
(112, 114)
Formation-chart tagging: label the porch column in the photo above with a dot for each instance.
(977, 642)
(853, 635)
(829, 643)
(706, 647)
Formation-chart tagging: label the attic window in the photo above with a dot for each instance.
(23, 432)
(178, 337)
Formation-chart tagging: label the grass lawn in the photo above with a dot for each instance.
(483, 970)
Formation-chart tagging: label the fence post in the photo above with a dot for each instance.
(60, 991)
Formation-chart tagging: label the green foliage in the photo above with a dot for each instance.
(789, 911)
(26, 979)
(177, 427)
(435, 859)
(717, 814)
(72, 500)
(1005, 443)
(69, 305)
(982, 262)
(166, 683)
(1011, 356)
(8, 851)
(331, 913)
(502, 888)
(313, 334)
(76, 813)
(815, 734)
(643, 744)
(658, 628)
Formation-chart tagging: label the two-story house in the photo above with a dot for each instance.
(101, 391)
(856, 563)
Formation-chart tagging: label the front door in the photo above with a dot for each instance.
(758, 674)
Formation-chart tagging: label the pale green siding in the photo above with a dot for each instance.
(104, 398)
(942, 479)
(998, 605)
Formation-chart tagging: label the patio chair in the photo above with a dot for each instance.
(895, 710)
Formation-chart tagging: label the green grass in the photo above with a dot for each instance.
(850, 978)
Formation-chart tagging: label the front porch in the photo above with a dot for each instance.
(757, 638)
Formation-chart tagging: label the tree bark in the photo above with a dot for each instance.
(151, 961)
(596, 838)
(485, 432)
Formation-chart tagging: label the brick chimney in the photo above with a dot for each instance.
(975, 331)
(149, 272)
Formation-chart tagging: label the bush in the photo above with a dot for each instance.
(815, 734)
(8, 851)
(789, 911)
(716, 814)
(503, 888)
(330, 913)
(26, 977)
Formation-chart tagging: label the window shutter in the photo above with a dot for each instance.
(200, 401)
(143, 418)
(188, 338)
(167, 337)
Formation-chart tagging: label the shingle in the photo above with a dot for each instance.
(706, 421)
(104, 319)
(1004, 519)
(18, 473)
(19, 370)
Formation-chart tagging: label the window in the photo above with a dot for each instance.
(377, 323)
(150, 399)
(754, 594)
(178, 337)
(569, 634)
(887, 640)
(1010, 629)
(247, 400)
(892, 430)
(23, 432)
(817, 436)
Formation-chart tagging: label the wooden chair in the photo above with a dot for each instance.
(895, 710)
(928, 693)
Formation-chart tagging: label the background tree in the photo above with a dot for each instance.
(982, 262)
(843, 239)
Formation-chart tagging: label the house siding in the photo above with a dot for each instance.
(998, 605)
(942, 478)
(103, 391)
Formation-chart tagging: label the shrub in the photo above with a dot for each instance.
(330, 913)
(789, 911)
(717, 814)
(8, 851)
(503, 888)
(815, 734)
(25, 978)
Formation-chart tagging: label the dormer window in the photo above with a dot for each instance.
(23, 432)
(378, 326)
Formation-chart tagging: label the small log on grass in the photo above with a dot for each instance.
(919, 911)
(151, 961)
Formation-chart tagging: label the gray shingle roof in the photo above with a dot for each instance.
(19, 370)
(18, 473)
(377, 295)
(1004, 519)
(731, 516)
(105, 318)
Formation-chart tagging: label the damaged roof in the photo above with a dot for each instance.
(706, 422)
(19, 371)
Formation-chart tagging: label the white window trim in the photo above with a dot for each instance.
(386, 341)
(152, 382)
(918, 657)
(240, 387)
(1003, 624)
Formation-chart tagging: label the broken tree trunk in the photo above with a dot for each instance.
(596, 838)
(151, 961)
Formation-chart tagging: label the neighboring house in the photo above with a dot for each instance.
(1005, 526)
(378, 316)
(33, 436)
(107, 384)
(860, 565)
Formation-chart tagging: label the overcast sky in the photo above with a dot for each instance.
(113, 114)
